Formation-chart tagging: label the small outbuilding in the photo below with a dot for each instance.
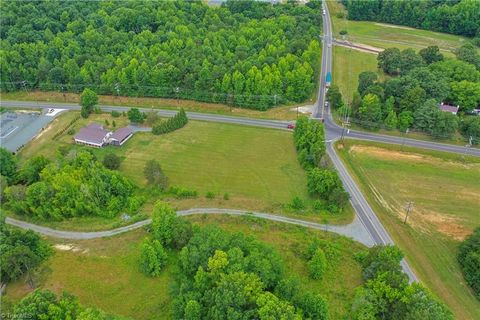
(449, 108)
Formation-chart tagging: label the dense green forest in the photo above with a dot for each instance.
(387, 294)
(75, 185)
(247, 53)
(22, 253)
(451, 16)
(44, 304)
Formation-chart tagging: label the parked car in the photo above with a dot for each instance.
(290, 126)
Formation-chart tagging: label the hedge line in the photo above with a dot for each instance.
(176, 122)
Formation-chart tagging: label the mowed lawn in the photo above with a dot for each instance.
(104, 272)
(383, 35)
(446, 203)
(243, 161)
(347, 65)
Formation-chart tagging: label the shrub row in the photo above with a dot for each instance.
(59, 133)
(323, 182)
(309, 141)
(469, 259)
(182, 193)
(176, 122)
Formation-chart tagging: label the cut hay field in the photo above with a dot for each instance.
(444, 191)
(347, 65)
(383, 35)
(104, 272)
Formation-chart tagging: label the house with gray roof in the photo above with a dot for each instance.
(94, 135)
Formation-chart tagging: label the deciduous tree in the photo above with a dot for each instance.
(88, 100)
(431, 54)
(154, 174)
(365, 80)
(371, 109)
(8, 165)
(30, 171)
(111, 161)
(334, 96)
(135, 116)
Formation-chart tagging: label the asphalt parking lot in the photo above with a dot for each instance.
(18, 128)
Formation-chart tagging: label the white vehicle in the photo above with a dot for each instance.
(324, 12)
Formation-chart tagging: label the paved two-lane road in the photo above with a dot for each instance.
(318, 108)
(333, 131)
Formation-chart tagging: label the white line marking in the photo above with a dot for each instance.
(6, 135)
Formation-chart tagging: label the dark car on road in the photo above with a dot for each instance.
(290, 126)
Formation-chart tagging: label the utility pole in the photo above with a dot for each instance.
(409, 209)
(24, 84)
(230, 101)
(63, 92)
(403, 141)
(177, 90)
(466, 147)
(117, 88)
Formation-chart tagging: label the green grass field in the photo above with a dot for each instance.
(257, 167)
(347, 65)
(444, 190)
(104, 272)
(386, 36)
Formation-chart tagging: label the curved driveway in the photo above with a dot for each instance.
(353, 230)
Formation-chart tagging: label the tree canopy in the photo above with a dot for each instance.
(8, 165)
(412, 97)
(469, 259)
(22, 252)
(232, 276)
(88, 100)
(387, 293)
(457, 17)
(44, 304)
(253, 54)
(78, 185)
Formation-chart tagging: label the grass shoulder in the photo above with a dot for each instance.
(278, 113)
